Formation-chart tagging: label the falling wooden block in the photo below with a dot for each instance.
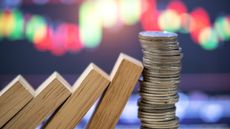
(48, 97)
(125, 74)
(88, 88)
(13, 98)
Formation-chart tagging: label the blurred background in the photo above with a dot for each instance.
(38, 37)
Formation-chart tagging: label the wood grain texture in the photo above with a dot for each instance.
(48, 97)
(88, 88)
(13, 98)
(125, 74)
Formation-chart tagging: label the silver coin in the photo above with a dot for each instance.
(154, 72)
(161, 83)
(160, 47)
(153, 65)
(155, 106)
(148, 60)
(161, 75)
(157, 45)
(163, 52)
(162, 57)
(166, 124)
(156, 117)
(158, 99)
(166, 97)
(156, 35)
(160, 94)
(143, 127)
(153, 125)
(177, 50)
(168, 111)
(152, 101)
(145, 112)
(163, 79)
(158, 86)
(159, 65)
(163, 123)
(158, 91)
(158, 41)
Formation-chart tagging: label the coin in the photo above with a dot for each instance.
(162, 57)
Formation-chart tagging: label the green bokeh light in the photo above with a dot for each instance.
(107, 12)
(33, 25)
(169, 20)
(209, 39)
(130, 11)
(1, 25)
(90, 25)
(17, 31)
(222, 27)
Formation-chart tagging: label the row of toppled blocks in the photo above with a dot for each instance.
(23, 108)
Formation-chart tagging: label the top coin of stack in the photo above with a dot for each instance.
(162, 66)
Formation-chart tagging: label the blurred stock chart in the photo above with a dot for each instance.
(38, 37)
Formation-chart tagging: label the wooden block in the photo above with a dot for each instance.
(88, 88)
(125, 74)
(13, 98)
(48, 97)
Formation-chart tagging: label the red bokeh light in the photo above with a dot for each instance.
(73, 42)
(58, 46)
(200, 20)
(45, 43)
(178, 6)
(149, 17)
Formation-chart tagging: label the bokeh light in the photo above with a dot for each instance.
(96, 15)
(185, 23)
(1, 24)
(11, 24)
(18, 25)
(40, 33)
(182, 105)
(107, 12)
(36, 28)
(200, 20)
(149, 17)
(44, 44)
(211, 112)
(169, 20)
(8, 23)
(178, 6)
(222, 27)
(59, 37)
(208, 38)
(130, 11)
(73, 42)
(90, 25)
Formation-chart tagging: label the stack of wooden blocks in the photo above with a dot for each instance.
(64, 106)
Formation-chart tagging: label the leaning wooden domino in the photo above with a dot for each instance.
(124, 77)
(13, 98)
(48, 97)
(88, 88)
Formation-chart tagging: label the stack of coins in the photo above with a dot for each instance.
(158, 89)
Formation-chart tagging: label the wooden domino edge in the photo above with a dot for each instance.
(121, 58)
(22, 81)
(51, 78)
(90, 67)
